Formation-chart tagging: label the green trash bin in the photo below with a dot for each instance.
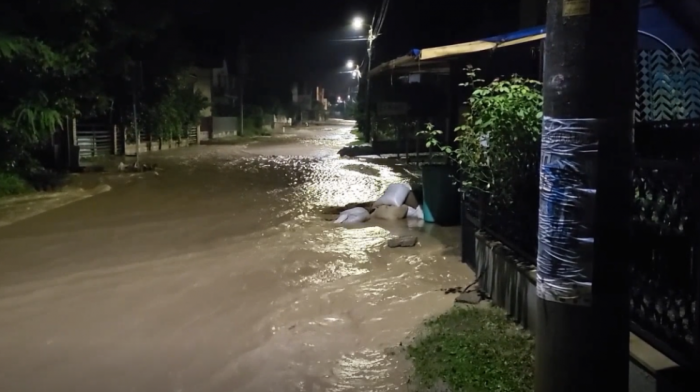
(441, 201)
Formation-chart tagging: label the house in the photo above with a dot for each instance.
(312, 105)
(668, 63)
(667, 105)
(215, 82)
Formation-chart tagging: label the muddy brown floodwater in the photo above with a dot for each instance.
(220, 275)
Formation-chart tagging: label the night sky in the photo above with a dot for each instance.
(306, 40)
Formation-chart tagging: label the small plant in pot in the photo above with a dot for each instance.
(496, 148)
(440, 191)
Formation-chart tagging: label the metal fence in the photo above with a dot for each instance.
(95, 139)
(665, 270)
(665, 252)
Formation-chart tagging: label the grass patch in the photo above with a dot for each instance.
(473, 350)
(12, 184)
(254, 131)
(360, 137)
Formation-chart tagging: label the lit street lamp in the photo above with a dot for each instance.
(358, 23)
(350, 64)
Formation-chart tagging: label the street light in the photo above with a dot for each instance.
(350, 64)
(357, 23)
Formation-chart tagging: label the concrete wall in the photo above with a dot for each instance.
(224, 126)
(511, 284)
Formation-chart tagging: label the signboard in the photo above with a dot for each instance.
(392, 108)
(576, 7)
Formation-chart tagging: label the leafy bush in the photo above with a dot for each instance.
(498, 144)
(176, 110)
(253, 127)
(474, 350)
(497, 150)
(12, 184)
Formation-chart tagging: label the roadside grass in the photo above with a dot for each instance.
(360, 138)
(12, 184)
(249, 134)
(250, 131)
(473, 350)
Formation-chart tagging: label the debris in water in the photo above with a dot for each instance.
(403, 242)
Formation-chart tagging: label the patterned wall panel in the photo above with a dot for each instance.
(666, 88)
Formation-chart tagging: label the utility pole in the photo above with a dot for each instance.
(368, 119)
(136, 84)
(585, 196)
(242, 71)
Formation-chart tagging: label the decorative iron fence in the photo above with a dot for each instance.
(665, 265)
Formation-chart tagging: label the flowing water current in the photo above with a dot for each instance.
(219, 274)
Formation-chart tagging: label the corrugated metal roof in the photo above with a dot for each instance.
(514, 38)
(416, 60)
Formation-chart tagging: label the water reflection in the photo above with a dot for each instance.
(219, 274)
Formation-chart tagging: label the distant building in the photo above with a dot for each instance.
(216, 83)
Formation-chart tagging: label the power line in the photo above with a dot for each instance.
(382, 15)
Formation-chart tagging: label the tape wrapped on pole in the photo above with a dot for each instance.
(567, 195)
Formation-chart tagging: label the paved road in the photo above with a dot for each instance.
(220, 274)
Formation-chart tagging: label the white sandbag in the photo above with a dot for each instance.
(415, 223)
(353, 215)
(394, 195)
(390, 213)
(415, 213)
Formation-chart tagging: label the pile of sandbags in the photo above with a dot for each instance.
(398, 202)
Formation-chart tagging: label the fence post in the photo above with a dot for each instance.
(94, 142)
(74, 131)
(115, 140)
(197, 135)
(123, 132)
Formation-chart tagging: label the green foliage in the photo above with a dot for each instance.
(12, 184)
(360, 137)
(76, 59)
(175, 111)
(432, 137)
(252, 126)
(383, 128)
(497, 148)
(474, 350)
(498, 144)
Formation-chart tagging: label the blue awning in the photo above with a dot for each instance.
(517, 37)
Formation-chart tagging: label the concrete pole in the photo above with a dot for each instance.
(368, 119)
(115, 146)
(585, 196)
(242, 68)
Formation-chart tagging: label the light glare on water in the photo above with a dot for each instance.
(220, 275)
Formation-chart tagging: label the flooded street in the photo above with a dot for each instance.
(220, 274)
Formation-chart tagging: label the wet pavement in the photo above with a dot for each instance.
(220, 274)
